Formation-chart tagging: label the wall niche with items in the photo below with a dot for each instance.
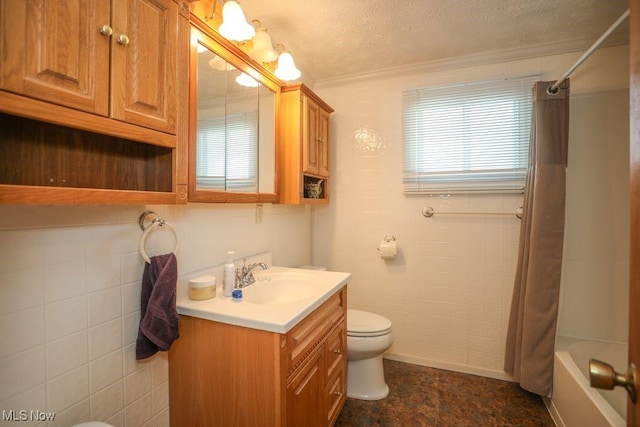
(232, 122)
(91, 101)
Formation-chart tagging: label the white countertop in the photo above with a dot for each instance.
(318, 286)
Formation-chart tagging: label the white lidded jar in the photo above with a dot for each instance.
(203, 287)
(229, 275)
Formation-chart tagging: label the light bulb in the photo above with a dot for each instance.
(219, 64)
(286, 69)
(234, 25)
(246, 80)
(263, 50)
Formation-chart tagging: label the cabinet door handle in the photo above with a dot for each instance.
(106, 30)
(123, 40)
(337, 393)
(337, 351)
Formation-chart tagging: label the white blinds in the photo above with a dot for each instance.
(227, 154)
(467, 138)
(210, 159)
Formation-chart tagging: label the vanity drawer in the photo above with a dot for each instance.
(336, 349)
(335, 396)
(304, 338)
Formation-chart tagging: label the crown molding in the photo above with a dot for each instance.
(483, 58)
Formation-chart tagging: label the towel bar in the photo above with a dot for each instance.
(428, 212)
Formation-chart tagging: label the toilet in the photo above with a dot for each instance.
(368, 336)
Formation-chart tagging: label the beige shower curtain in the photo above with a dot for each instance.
(534, 307)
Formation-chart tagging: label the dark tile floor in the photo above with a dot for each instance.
(422, 396)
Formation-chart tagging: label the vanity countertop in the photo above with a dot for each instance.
(258, 310)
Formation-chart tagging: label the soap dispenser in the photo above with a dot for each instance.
(229, 275)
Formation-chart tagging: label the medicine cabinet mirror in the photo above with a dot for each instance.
(232, 125)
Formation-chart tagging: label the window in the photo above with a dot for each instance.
(467, 138)
(221, 168)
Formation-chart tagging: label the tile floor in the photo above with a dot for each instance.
(422, 396)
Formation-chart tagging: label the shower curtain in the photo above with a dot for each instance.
(534, 307)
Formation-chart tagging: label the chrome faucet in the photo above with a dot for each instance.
(244, 275)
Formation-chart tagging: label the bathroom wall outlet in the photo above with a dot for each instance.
(259, 211)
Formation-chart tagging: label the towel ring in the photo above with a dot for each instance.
(154, 224)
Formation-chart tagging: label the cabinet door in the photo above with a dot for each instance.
(305, 395)
(143, 76)
(310, 159)
(323, 143)
(53, 50)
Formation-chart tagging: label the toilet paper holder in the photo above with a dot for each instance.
(389, 251)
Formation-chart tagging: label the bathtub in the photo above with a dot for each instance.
(573, 402)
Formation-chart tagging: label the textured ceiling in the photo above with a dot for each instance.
(333, 39)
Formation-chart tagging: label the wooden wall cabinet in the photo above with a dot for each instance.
(220, 374)
(114, 59)
(303, 145)
(95, 68)
(315, 138)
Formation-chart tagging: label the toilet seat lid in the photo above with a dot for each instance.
(363, 323)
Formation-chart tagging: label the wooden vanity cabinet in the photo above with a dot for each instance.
(303, 145)
(222, 375)
(96, 68)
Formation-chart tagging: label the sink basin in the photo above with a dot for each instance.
(279, 299)
(283, 288)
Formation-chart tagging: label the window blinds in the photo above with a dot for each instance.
(227, 153)
(467, 138)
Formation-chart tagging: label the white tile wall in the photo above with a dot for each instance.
(70, 276)
(448, 293)
(70, 301)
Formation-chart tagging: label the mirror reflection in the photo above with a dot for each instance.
(267, 132)
(235, 134)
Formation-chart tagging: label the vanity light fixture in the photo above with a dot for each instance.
(246, 80)
(262, 50)
(286, 69)
(219, 64)
(234, 25)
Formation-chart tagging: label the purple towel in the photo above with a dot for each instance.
(158, 315)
